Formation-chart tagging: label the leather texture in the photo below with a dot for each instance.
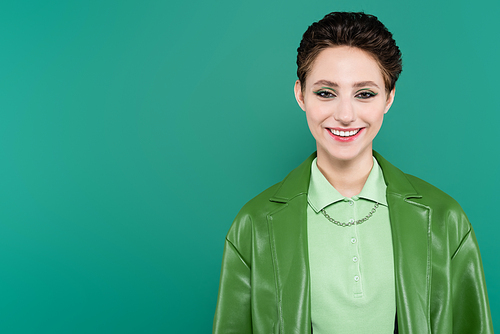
(440, 286)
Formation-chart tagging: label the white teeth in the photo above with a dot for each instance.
(344, 133)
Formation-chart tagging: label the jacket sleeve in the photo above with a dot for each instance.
(471, 311)
(233, 313)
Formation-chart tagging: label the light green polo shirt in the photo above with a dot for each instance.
(351, 268)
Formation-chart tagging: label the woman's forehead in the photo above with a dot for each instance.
(344, 65)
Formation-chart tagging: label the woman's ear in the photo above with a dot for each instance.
(390, 99)
(298, 95)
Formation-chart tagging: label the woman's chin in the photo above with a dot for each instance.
(345, 155)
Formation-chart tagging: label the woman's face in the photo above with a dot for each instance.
(345, 101)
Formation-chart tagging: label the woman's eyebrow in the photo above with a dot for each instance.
(364, 84)
(326, 83)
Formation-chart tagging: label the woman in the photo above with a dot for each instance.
(347, 243)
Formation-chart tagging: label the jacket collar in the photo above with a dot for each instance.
(297, 181)
(395, 179)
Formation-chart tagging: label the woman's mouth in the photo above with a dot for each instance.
(345, 135)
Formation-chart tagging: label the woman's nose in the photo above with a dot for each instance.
(345, 113)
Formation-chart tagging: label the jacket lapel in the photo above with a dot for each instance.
(288, 234)
(410, 225)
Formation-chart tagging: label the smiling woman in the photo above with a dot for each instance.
(348, 243)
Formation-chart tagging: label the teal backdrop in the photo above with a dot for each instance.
(132, 132)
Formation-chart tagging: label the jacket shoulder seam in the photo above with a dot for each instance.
(462, 242)
(235, 249)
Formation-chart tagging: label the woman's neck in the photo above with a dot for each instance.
(348, 177)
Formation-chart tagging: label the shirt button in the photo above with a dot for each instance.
(356, 278)
(355, 259)
(351, 202)
(351, 221)
(353, 240)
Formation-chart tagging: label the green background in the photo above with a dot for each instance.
(132, 132)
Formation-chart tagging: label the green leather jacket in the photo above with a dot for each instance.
(440, 287)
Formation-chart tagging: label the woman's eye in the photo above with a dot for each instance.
(325, 94)
(366, 94)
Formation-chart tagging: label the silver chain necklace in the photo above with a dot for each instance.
(351, 222)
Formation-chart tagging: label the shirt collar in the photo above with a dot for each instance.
(321, 193)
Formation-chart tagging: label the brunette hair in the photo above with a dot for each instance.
(359, 30)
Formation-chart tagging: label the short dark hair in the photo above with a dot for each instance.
(359, 30)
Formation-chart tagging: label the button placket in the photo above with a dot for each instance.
(358, 288)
